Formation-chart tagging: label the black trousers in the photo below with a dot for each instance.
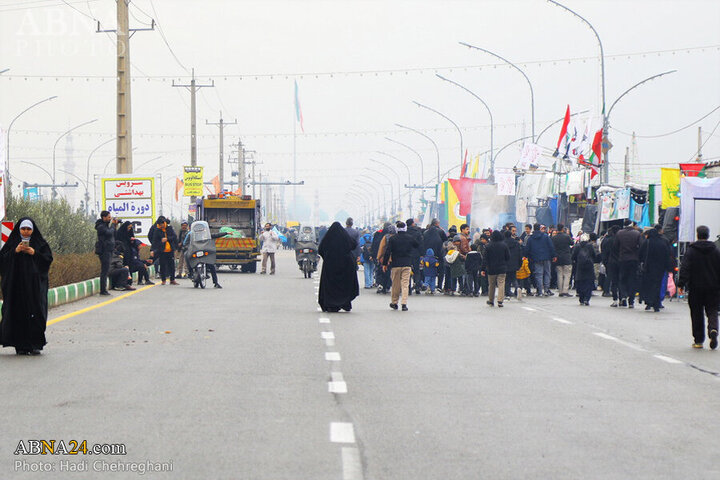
(510, 282)
(119, 278)
(417, 278)
(104, 269)
(703, 302)
(167, 266)
(213, 272)
(613, 278)
(628, 280)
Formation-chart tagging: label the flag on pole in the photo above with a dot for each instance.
(216, 184)
(595, 160)
(563, 131)
(692, 170)
(476, 165)
(463, 169)
(298, 110)
(179, 184)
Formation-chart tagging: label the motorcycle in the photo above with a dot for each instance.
(200, 274)
(306, 253)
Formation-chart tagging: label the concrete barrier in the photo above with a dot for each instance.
(76, 291)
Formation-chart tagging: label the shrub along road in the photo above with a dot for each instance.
(253, 382)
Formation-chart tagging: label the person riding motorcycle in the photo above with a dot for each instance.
(200, 239)
(306, 247)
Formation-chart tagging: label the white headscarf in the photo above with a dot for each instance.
(26, 224)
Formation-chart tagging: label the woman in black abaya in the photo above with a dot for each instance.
(24, 264)
(338, 279)
(656, 256)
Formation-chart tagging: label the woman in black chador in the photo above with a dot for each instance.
(338, 280)
(24, 264)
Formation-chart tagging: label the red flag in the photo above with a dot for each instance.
(464, 189)
(691, 169)
(563, 131)
(597, 146)
(463, 170)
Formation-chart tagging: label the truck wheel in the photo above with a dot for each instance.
(252, 267)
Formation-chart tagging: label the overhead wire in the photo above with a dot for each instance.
(674, 131)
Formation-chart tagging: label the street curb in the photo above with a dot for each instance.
(77, 291)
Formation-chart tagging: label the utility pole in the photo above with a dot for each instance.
(699, 154)
(193, 88)
(241, 167)
(222, 124)
(124, 103)
(626, 178)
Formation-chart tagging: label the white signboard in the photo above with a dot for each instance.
(529, 156)
(131, 199)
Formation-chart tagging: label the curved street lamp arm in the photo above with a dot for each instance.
(41, 168)
(635, 86)
(422, 167)
(602, 53)
(29, 108)
(449, 120)
(437, 150)
(63, 135)
(532, 92)
(87, 165)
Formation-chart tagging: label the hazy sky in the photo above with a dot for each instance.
(359, 65)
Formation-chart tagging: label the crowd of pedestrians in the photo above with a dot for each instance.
(628, 265)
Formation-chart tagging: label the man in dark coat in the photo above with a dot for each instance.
(495, 266)
(611, 262)
(584, 257)
(338, 279)
(105, 227)
(415, 232)
(400, 248)
(514, 263)
(355, 235)
(163, 245)
(655, 256)
(434, 238)
(24, 265)
(563, 265)
(381, 278)
(700, 274)
(540, 251)
(627, 247)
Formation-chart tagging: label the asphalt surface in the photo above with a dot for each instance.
(253, 382)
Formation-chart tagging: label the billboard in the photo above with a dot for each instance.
(131, 199)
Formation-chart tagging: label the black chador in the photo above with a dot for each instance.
(24, 288)
(338, 280)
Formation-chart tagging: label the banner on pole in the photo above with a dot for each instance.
(131, 199)
(2, 172)
(193, 182)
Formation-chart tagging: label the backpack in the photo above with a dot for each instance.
(367, 251)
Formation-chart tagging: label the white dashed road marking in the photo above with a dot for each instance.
(327, 335)
(562, 320)
(332, 356)
(342, 432)
(529, 309)
(352, 467)
(324, 320)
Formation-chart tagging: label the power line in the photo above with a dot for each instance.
(54, 5)
(696, 154)
(674, 131)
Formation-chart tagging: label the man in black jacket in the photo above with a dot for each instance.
(494, 266)
(563, 265)
(627, 248)
(700, 273)
(400, 248)
(415, 232)
(434, 238)
(163, 244)
(611, 263)
(105, 227)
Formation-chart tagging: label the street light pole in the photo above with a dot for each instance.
(437, 150)
(54, 191)
(422, 166)
(7, 143)
(492, 158)
(409, 178)
(606, 167)
(392, 190)
(449, 120)
(378, 191)
(397, 178)
(532, 92)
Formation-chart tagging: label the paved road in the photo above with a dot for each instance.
(252, 382)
